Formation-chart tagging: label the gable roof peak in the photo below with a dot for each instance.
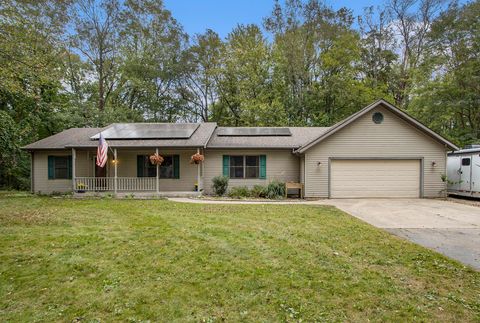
(384, 103)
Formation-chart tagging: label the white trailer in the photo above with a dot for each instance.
(463, 171)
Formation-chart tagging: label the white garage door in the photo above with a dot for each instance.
(375, 178)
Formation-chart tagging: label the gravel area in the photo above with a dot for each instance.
(465, 200)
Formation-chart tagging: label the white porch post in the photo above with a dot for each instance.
(199, 175)
(157, 183)
(74, 158)
(115, 167)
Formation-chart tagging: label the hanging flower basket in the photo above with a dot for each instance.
(196, 158)
(156, 159)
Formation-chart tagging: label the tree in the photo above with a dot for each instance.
(316, 62)
(411, 20)
(152, 44)
(378, 45)
(97, 39)
(245, 86)
(449, 99)
(31, 70)
(198, 82)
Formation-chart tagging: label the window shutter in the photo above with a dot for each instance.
(69, 165)
(51, 167)
(140, 163)
(176, 166)
(263, 166)
(226, 165)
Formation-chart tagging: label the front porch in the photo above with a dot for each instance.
(129, 172)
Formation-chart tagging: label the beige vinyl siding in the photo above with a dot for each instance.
(302, 169)
(84, 163)
(41, 183)
(282, 165)
(394, 138)
(127, 167)
(375, 178)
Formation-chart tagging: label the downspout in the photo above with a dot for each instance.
(32, 160)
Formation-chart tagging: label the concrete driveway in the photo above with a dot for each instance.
(450, 228)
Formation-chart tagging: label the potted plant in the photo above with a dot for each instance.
(156, 159)
(196, 158)
(81, 187)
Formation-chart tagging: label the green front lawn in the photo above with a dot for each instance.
(131, 260)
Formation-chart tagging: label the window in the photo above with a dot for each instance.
(146, 168)
(465, 161)
(252, 166)
(377, 117)
(166, 169)
(244, 167)
(236, 167)
(59, 167)
(170, 167)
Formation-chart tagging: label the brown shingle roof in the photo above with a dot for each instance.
(300, 136)
(60, 140)
(205, 135)
(80, 138)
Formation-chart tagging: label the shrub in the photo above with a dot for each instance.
(239, 192)
(275, 190)
(220, 185)
(258, 191)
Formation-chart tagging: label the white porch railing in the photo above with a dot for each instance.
(108, 184)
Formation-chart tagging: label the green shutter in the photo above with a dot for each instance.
(140, 164)
(69, 165)
(226, 165)
(51, 167)
(263, 167)
(176, 166)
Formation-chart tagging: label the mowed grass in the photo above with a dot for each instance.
(139, 260)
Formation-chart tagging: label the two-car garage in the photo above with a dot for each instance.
(364, 178)
(379, 152)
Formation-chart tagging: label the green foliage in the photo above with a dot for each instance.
(239, 192)
(258, 191)
(220, 185)
(14, 163)
(275, 190)
(449, 101)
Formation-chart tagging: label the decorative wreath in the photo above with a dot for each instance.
(156, 159)
(196, 158)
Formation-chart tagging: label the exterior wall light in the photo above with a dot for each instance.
(319, 163)
(434, 164)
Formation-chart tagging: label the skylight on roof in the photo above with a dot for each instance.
(254, 132)
(148, 131)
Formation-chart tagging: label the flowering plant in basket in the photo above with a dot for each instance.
(196, 158)
(156, 159)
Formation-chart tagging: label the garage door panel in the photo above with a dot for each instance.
(375, 178)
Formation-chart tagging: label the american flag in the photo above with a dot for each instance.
(102, 151)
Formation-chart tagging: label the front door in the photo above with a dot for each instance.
(100, 171)
(465, 173)
(100, 176)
